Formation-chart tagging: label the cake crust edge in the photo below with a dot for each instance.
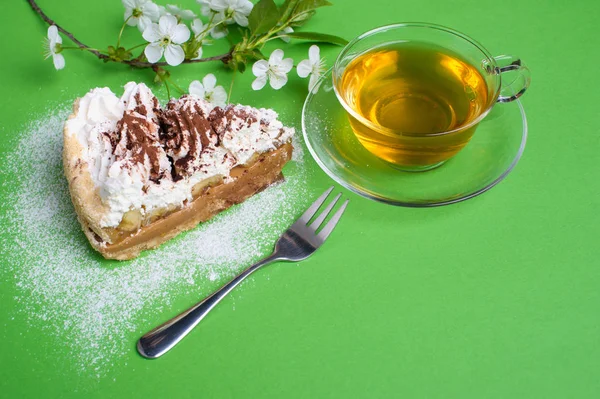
(84, 193)
(249, 180)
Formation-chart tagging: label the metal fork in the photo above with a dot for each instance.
(297, 243)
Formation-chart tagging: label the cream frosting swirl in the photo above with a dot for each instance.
(141, 156)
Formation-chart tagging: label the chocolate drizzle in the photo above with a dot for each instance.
(175, 142)
(185, 132)
(222, 119)
(135, 141)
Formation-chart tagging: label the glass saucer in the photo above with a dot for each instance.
(492, 153)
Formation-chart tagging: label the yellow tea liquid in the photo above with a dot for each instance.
(413, 90)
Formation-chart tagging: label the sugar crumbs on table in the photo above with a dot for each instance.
(92, 310)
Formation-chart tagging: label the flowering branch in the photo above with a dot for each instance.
(134, 63)
(178, 36)
(50, 22)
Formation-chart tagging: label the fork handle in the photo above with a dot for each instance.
(164, 337)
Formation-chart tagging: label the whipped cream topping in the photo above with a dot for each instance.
(141, 156)
(245, 131)
(99, 112)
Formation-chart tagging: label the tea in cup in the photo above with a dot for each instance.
(415, 93)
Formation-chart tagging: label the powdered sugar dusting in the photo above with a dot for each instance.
(92, 305)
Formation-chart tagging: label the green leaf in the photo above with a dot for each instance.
(191, 48)
(287, 8)
(258, 55)
(308, 5)
(302, 11)
(318, 37)
(162, 75)
(263, 17)
(118, 54)
(301, 19)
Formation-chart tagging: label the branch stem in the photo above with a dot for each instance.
(176, 86)
(231, 86)
(121, 31)
(138, 46)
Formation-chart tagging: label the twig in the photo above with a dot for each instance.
(225, 58)
(231, 86)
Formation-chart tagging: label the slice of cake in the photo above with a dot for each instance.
(140, 174)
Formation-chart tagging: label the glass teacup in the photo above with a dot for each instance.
(415, 92)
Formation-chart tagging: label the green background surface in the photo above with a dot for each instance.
(495, 297)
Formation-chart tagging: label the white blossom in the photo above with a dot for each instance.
(209, 91)
(166, 38)
(275, 71)
(52, 47)
(198, 27)
(219, 31)
(283, 36)
(186, 15)
(313, 66)
(140, 13)
(204, 7)
(231, 10)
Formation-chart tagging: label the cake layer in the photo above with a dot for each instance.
(247, 181)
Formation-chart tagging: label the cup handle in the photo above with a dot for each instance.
(513, 85)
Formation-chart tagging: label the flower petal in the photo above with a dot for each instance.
(218, 5)
(151, 10)
(219, 96)
(240, 19)
(219, 32)
(174, 54)
(130, 21)
(153, 52)
(205, 10)
(128, 3)
(198, 53)
(276, 57)
(53, 38)
(286, 65)
(209, 81)
(187, 15)
(197, 26)
(278, 80)
(286, 38)
(314, 54)
(151, 33)
(259, 82)
(52, 32)
(59, 61)
(197, 89)
(180, 34)
(244, 7)
(143, 23)
(312, 83)
(260, 68)
(173, 9)
(166, 24)
(304, 68)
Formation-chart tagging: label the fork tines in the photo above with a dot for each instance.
(318, 221)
